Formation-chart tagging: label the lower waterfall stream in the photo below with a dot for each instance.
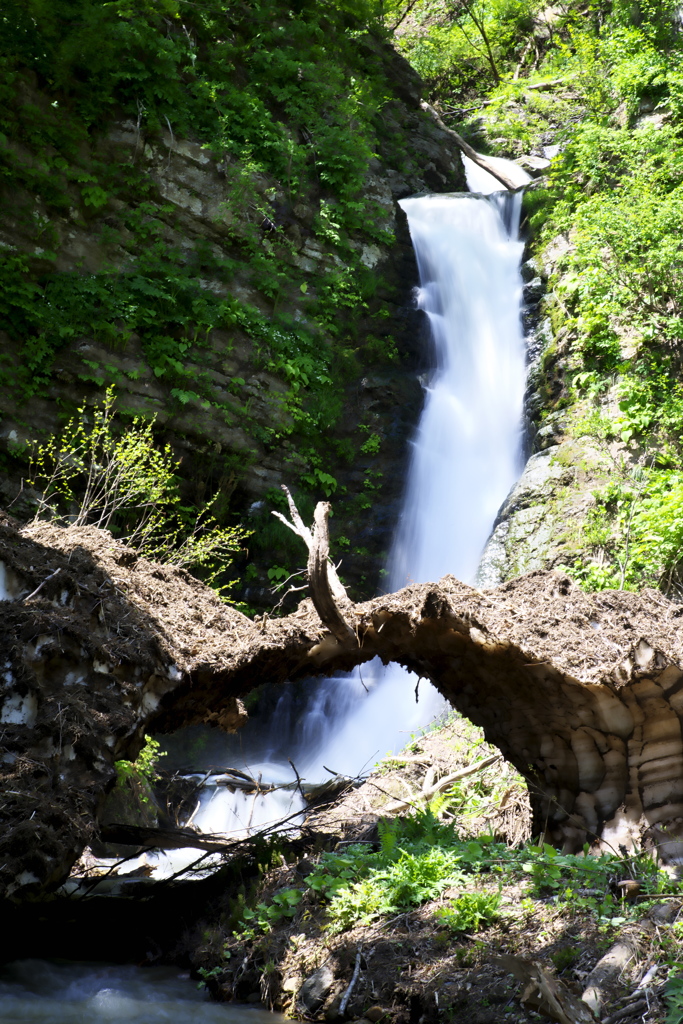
(465, 457)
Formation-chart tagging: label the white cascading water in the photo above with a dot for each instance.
(466, 457)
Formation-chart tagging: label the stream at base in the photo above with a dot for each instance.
(53, 992)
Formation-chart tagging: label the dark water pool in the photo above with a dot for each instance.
(53, 992)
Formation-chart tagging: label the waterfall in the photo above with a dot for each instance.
(466, 454)
(465, 457)
(467, 450)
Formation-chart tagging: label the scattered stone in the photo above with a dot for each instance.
(534, 290)
(292, 983)
(315, 989)
(534, 165)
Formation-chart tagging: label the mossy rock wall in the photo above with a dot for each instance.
(270, 329)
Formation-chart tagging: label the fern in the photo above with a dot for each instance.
(387, 830)
(673, 996)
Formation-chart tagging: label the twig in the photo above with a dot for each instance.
(633, 1009)
(39, 588)
(398, 805)
(183, 871)
(18, 494)
(447, 780)
(354, 979)
(437, 787)
(253, 802)
(298, 778)
(170, 148)
(113, 868)
(405, 14)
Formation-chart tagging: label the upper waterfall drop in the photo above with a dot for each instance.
(467, 452)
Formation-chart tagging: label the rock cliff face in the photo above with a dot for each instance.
(232, 425)
(582, 693)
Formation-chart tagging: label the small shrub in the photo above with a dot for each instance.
(96, 474)
(471, 911)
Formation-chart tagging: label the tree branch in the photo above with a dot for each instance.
(327, 590)
(469, 152)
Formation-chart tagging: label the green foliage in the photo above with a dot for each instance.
(458, 46)
(418, 858)
(565, 958)
(636, 533)
(604, 83)
(321, 480)
(673, 996)
(148, 758)
(406, 871)
(282, 906)
(627, 264)
(139, 776)
(372, 445)
(470, 912)
(289, 100)
(96, 474)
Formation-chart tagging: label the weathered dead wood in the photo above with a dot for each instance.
(327, 591)
(603, 981)
(465, 147)
(428, 792)
(430, 788)
(544, 993)
(351, 985)
(165, 838)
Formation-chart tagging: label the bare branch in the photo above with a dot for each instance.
(327, 590)
(469, 152)
(413, 3)
(326, 587)
(301, 529)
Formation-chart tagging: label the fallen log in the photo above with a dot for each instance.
(431, 789)
(603, 981)
(545, 993)
(149, 838)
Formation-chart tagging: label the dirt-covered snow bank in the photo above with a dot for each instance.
(582, 693)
